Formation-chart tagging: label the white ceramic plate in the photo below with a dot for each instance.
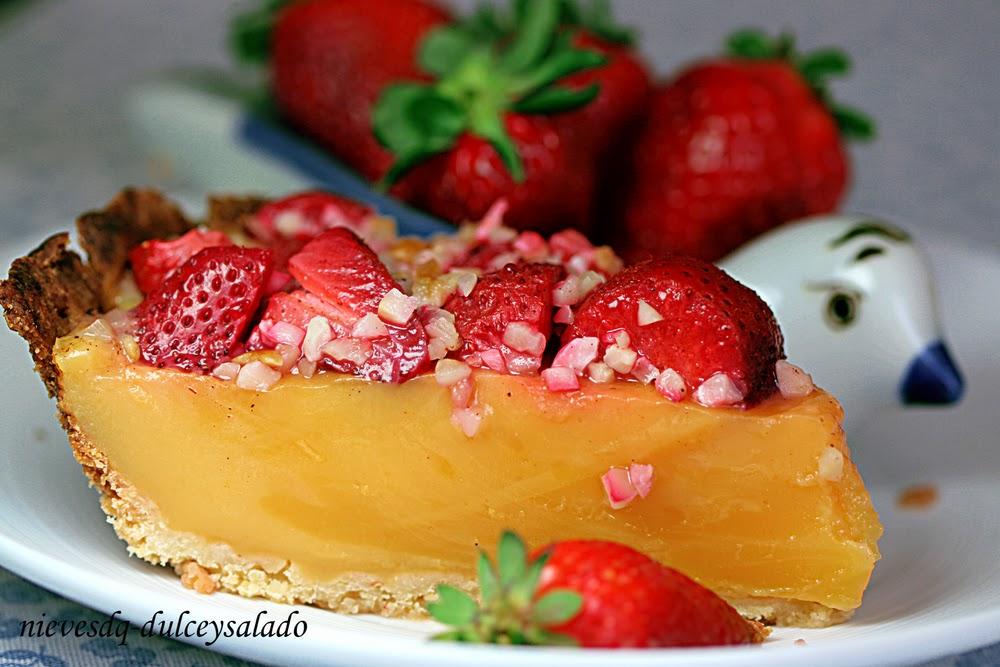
(936, 590)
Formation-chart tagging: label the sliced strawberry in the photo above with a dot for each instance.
(299, 307)
(338, 267)
(514, 302)
(698, 321)
(349, 281)
(198, 317)
(152, 261)
(306, 215)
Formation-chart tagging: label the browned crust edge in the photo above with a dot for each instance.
(51, 291)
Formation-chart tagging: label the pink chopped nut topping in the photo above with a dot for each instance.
(531, 245)
(718, 391)
(450, 372)
(577, 354)
(289, 334)
(641, 476)
(227, 371)
(257, 376)
(306, 368)
(567, 292)
(397, 308)
(468, 420)
(524, 337)
(569, 242)
(466, 280)
(620, 359)
(369, 326)
(671, 384)
(644, 371)
(600, 372)
(564, 315)
(560, 379)
(618, 488)
(493, 360)
(355, 350)
(289, 356)
(647, 315)
(492, 221)
(462, 393)
(793, 382)
(588, 281)
(318, 334)
(622, 339)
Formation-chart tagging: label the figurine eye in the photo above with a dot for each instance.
(842, 309)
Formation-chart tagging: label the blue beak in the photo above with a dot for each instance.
(932, 378)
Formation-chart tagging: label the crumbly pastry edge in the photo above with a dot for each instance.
(52, 291)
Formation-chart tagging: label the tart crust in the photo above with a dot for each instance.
(52, 291)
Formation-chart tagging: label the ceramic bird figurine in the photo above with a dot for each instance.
(855, 300)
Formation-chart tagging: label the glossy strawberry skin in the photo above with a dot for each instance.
(152, 261)
(632, 601)
(711, 323)
(728, 150)
(557, 191)
(198, 317)
(349, 281)
(330, 61)
(519, 292)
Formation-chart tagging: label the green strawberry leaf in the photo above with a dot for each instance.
(250, 32)
(751, 44)
(853, 123)
(533, 37)
(523, 589)
(511, 558)
(559, 64)
(557, 100)
(556, 607)
(488, 584)
(453, 607)
(443, 49)
(817, 65)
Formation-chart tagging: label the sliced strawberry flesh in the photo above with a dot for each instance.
(198, 317)
(517, 293)
(711, 323)
(152, 261)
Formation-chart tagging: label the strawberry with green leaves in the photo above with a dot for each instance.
(587, 593)
(735, 146)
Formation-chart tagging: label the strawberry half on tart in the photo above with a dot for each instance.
(290, 402)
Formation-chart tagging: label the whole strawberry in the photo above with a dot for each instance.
(330, 61)
(199, 316)
(588, 593)
(733, 147)
(687, 315)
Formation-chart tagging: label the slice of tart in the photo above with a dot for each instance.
(304, 408)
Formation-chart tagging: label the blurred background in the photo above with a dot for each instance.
(927, 71)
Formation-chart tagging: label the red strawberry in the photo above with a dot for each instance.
(299, 307)
(733, 147)
(588, 593)
(557, 190)
(198, 317)
(350, 280)
(643, 604)
(306, 215)
(710, 323)
(519, 294)
(152, 261)
(330, 61)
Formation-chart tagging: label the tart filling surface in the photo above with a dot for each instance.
(359, 485)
